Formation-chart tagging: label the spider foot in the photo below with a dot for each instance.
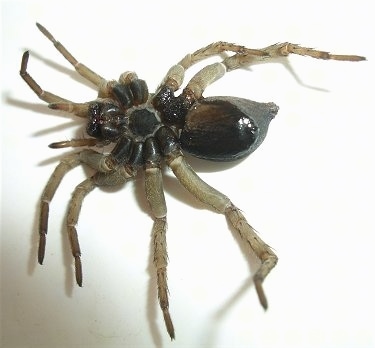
(265, 254)
(42, 247)
(169, 324)
(78, 269)
(259, 289)
(43, 227)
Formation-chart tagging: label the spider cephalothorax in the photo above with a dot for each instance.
(150, 130)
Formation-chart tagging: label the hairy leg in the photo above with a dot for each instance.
(82, 69)
(208, 195)
(155, 197)
(242, 57)
(106, 176)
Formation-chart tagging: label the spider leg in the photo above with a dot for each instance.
(217, 48)
(75, 143)
(74, 210)
(106, 175)
(175, 75)
(82, 69)
(160, 262)
(155, 196)
(246, 57)
(208, 195)
(240, 60)
(286, 48)
(46, 96)
(66, 164)
(55, 102)
(242, 57)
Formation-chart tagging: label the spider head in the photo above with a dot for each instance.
(106, 120)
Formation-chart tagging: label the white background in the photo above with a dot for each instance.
(309, 189)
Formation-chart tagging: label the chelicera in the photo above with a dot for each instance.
(150, 130)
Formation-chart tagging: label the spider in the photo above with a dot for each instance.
(150, 130)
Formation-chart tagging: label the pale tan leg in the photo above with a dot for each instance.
(103, 178)
(66, 164)
(217, 48)
(107, 175)
(82, 69)
(243, 57)
(55, 101)
(75, 143)
(91, 158)
(263, 251)
(160, 262)
(43, 95)
(155, 197)
(74, 210)
(282, 50)
(176, 73)
(286, 48)
(208, 195)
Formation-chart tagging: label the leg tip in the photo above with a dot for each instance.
(78, 270)
(169, 324)
(262, 297)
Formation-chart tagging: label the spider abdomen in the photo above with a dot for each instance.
(226, 128)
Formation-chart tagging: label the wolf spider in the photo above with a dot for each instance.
(149, 130)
